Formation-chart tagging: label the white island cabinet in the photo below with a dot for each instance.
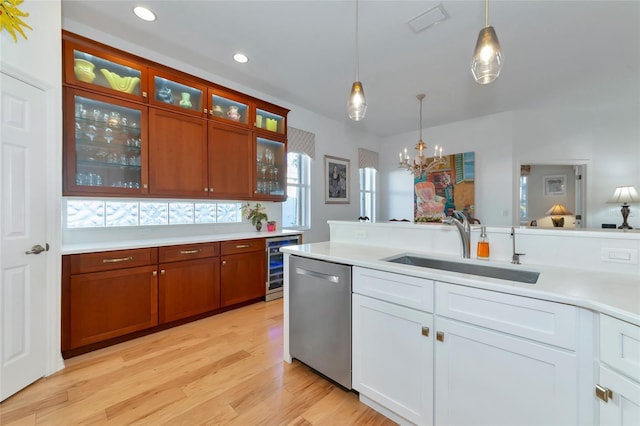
(428, 352)
(619, 384)
(504, 359)
(393, 344)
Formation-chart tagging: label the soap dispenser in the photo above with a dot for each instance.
(483, 244)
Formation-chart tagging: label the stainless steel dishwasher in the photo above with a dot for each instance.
(320, 317)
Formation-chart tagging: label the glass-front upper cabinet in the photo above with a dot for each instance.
(106, 152)
(105, 72)
(177, 93)
(229, 108)
(271, 170)
(271, 118)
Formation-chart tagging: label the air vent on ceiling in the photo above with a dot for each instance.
(428, 19)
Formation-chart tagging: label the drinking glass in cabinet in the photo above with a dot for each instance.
(108, 144)
(92, 69)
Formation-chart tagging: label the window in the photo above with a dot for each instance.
(523, 199)
(368, 193)
(296, 210)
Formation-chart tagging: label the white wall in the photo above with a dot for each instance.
(332, 137)
(603, 135)
(37, 61)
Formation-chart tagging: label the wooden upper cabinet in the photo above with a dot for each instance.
(270, 120)
(105, 145)
(177, 155)
(104, 71)
(231, 108)
(178, 93)
(231, 161)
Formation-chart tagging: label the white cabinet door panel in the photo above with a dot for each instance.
(623, 408)
(393, 358)
(485, 377)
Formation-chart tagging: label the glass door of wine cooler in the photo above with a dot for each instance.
(275, 264)
(107, 153)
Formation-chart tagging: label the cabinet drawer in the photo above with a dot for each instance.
(109, 260)
(620, 345)
(187, 252)
(241, 246)
(403, 290)
(546, 322)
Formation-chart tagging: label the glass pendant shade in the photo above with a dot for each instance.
(487, 57)
(357, 105)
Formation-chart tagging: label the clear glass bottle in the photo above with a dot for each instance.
(483, 244)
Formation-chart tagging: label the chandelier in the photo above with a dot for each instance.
(421, 164)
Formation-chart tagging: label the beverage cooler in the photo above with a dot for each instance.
(275, 264)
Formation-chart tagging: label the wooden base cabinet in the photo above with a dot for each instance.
(189, 281)
(109, 304)
(242, 271)
(393, 357)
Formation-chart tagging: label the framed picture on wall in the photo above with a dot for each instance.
(555, 185)
(336, 180)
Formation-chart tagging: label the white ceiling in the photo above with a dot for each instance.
(302, 52)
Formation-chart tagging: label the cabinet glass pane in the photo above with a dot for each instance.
(270, 162)
(102, 72)
(177, 94)
(269, 121)
(230, 110)
(108, 144)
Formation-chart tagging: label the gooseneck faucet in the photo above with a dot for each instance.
(464, 228)
(515, 259)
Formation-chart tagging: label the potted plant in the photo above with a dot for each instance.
(255, 214)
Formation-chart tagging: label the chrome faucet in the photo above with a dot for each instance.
(515, 259)
(464, 228)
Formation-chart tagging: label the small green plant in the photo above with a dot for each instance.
(255, 214)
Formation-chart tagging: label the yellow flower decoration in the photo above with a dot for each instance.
(10, 18)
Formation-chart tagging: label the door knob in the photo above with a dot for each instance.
(37, 249)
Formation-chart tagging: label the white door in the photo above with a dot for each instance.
(22, 228)
(622, 408)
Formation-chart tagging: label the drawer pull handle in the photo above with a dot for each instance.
(604, 393)
(425, 331)
(190, 251)
(440, 336)
(239, 246)
(118, 259)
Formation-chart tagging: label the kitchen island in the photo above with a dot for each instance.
(485, 341)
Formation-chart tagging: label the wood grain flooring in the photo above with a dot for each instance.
(222, 370)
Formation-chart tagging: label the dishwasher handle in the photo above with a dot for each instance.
(319, 275)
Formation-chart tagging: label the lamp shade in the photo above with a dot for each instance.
(357, 104)
(624, 195)
(558, 210)
(486, 62)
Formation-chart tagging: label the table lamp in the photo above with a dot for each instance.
(556, 212)
(625, 195)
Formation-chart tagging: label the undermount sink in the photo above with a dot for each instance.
(528, 277)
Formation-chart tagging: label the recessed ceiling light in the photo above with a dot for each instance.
(144, 13)
(241, 58)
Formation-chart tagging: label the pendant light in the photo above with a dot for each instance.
(487, 56)
(357, 104)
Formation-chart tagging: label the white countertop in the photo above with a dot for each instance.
(89, 247)
(613, 294)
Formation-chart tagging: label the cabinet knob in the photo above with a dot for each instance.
(162, 271)
(440, 336)
(224, 262)
(154, 273)
(425, 331)
(206, 190)
(206, 110)
(144, 94)
(145, 186)
(604, 393)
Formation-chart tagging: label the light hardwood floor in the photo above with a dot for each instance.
(222, 370)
